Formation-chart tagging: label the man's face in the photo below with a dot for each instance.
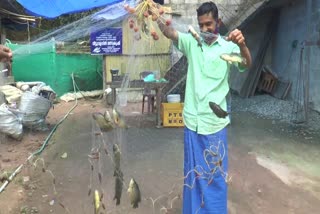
(208, 24)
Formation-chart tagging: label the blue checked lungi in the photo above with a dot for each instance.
(204, 193)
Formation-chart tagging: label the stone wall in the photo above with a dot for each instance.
(232, 12)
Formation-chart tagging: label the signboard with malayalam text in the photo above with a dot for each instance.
(106, 42)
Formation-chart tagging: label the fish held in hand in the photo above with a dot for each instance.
(218, 110)
(233, 58)
(195, 35)
(134, 193)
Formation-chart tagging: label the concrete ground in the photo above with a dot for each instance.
(273, 165)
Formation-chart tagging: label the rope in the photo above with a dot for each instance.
(44, 143)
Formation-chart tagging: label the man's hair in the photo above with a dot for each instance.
(208, 7)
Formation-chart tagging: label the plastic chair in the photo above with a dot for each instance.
(147, 93)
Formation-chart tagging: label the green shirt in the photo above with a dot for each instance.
(207, 80)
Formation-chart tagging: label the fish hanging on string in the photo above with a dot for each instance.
(118, 187)
(134, 193)
(102, 122)
(116, 159)
(118, 119)
(96, 201)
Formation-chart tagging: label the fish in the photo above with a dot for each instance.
(107, 117)
(104, 124)
(195, 36)
(118, 119)
(233, 58)
(134, 193)
(218, 110)
(96, 201)
(116, 158)
(100, 177)
(118, 187)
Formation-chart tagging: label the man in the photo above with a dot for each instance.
(205, 140)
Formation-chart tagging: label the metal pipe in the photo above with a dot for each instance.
(307, 59)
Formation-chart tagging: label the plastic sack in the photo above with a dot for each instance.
(33, 109)
(10, 124)
(12, 93)
(2, 98)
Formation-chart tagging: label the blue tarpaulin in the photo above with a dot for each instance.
(113, 11)
(55, 8)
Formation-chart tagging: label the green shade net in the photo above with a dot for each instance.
(41, 62)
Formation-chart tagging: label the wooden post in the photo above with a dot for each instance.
(2, 33)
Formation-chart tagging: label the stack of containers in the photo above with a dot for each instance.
(173, 98)
(172, 111)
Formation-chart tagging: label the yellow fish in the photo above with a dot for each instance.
(96, 201)
(134, 193)
(233, 58)
(105, 125)
(118, 119)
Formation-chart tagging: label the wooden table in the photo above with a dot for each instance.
(157, 86)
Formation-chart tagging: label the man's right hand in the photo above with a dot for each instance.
(5, 53)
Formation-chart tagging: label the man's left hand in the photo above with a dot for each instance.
(237, 37)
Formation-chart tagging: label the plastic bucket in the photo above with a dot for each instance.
(173, 98)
